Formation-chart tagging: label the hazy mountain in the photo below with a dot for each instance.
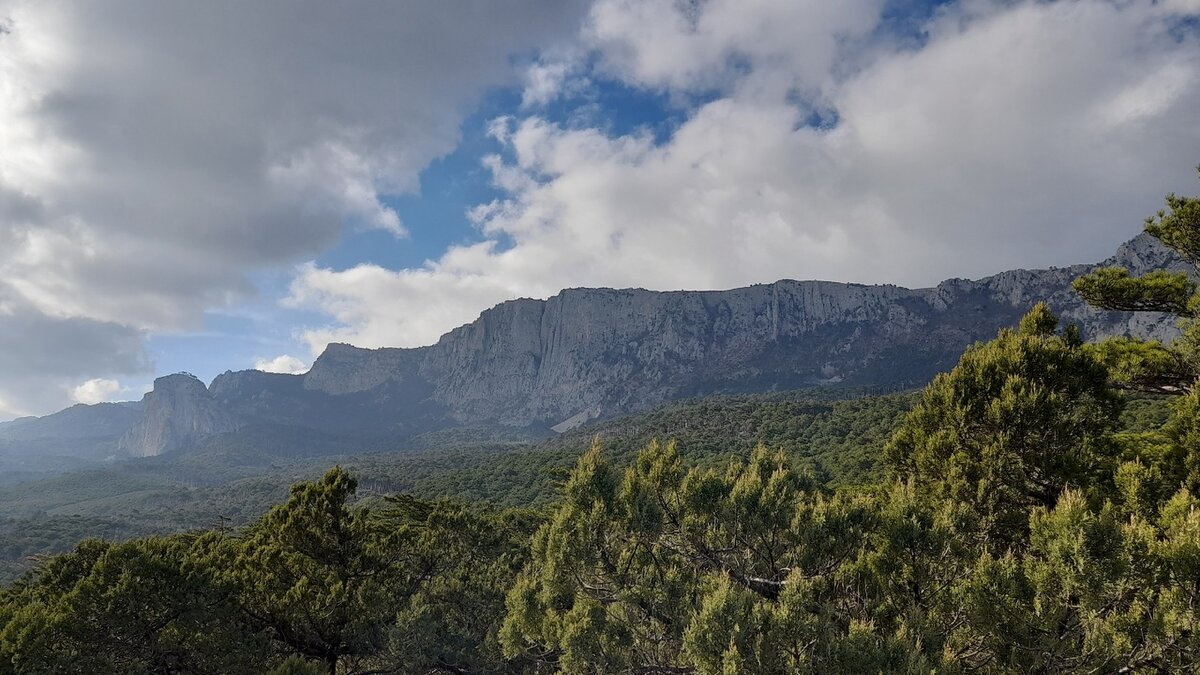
(178, 410)
(588, 353)
(79, 434)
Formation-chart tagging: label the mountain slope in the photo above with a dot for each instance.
(81, 433)
(591, 353)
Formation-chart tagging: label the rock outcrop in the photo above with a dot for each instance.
(175, 414)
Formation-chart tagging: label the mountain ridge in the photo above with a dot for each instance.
(586, 353)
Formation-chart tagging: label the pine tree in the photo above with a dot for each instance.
(1016, 422)
(1149, 365)
(1155, 470)
(675, 570)
(320, 575)
(148, 606)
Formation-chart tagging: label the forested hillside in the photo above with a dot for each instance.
(1029, 511)
(839, 436)
(980, 550)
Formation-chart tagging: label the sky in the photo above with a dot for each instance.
(224, 185)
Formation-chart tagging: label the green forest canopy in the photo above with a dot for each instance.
(1017, 526)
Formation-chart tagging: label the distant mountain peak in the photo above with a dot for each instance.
(176, 412)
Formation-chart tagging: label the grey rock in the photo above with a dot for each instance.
(586, 353)
(179, 410)
(596, 352)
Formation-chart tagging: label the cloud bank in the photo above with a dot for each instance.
(283, 363)
(817, 143)
(156, 154)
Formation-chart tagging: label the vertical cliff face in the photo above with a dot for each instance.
(179, 410)
(590, 352)
(586, 353)
(344, 369)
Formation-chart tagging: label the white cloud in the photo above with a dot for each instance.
(8, 412)
(1181, 6)
(727, 44)
(196, 150)
(156, 155)
(139, 190)
(544, 82)
(42, 358)
(1018, 134)
(347, 180)
(96, 390)
(283, 363)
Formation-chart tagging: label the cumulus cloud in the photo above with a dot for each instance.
(156, 154)
(43, 357)
(283, 363)
(96, 390)
(544, 82)
(1012, 134)
(726, 45)
(215, 140)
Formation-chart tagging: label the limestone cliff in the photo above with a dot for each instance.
(590, 352)
(595, 352)
(178, 411)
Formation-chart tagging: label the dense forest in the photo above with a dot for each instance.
(834, 433)
(1028, 513)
